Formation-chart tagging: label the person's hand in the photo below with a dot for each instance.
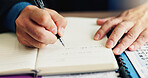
(36, 27)
(133, 23)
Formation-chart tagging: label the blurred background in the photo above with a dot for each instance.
(93, 5)
(124, 4)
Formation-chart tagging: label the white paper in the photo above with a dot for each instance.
(14, 57)
(139, 59)
(81, 50)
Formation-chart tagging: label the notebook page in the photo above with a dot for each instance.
(80, 51)
(14, 57)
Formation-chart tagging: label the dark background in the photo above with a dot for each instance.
(73, 5)
(77, 5)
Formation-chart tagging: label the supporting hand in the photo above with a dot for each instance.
(133, 23)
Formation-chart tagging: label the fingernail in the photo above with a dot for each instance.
(96, 37)
(54, 30)
(61, 30)
(132, 47)
(116, 50)
(109, 44)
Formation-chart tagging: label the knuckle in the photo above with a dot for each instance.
(123, 24)
(42, 37)
(28, 8)
(44, 18)
(115, 35)
(143, 37)
(130, 35)
(53, 11)
(20, 23)
(138, 23)
(124, 43)
(17, 20)
(130, 23)
(139, 42)
(116, 20)
(127, 12)
(112, 21)
(109, 22)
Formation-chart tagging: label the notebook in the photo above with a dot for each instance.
(81, 53)
(139, 60)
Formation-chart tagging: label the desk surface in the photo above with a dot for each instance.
(98, 14)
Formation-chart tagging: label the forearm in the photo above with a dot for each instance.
(6, 6)
(9, 19)
(143, 7)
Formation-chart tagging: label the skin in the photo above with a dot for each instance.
(133, 23)
(36, 27)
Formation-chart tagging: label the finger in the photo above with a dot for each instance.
(34, 42)
(102, 21)
(40, 33)
(42, 18)
(24, 42)
(106, 28)
(118, 32)
(29, 41)
(22, 39)
(129, 38)
(59, 20)
(142, 39)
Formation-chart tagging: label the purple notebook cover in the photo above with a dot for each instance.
(20, 76)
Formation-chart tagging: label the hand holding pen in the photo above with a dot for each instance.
(40, 4)
(37, 27)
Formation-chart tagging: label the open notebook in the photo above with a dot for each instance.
(80, 54)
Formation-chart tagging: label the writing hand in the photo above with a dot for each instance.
(36, 27)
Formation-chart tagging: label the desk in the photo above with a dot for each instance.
(98, 14)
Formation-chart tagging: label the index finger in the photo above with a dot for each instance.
(40, 33)
(59, 20)
(42, 18)
(107, 26)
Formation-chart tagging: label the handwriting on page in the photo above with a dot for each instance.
(142, 55)
(139, 59)
(81, 50)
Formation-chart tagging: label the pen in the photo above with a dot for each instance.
(40, 4)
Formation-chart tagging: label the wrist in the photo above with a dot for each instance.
(9, 20)
(143, 7)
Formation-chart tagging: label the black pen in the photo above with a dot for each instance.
(40, 4)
